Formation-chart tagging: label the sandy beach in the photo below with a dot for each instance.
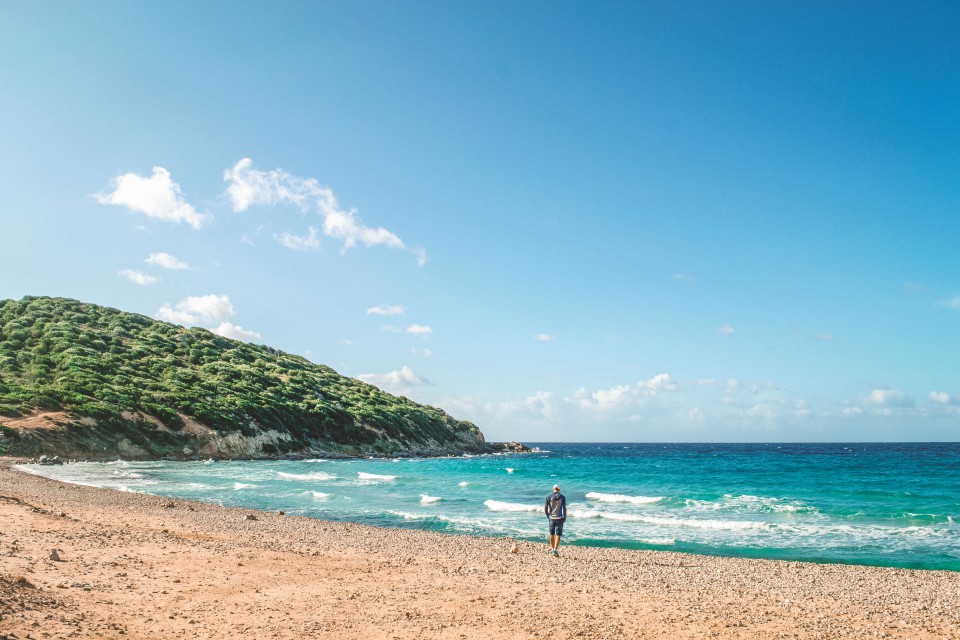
(139, 566)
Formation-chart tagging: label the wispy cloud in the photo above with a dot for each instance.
(543, 337)
(248, 187)
(888, 399)
(309, 242)
(166, 261)
(726, 329)
(137, 277)
(942, 397)
(209, 309)
(400, 380)
(952, 303)
(624, 394)
(419, 330)
(235, 331)
(387, 310)
(157, 196)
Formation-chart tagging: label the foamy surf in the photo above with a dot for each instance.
(374, 477)
(243, 485)
(616, 497)
(425, 499)
(316, 475)
(497, 505)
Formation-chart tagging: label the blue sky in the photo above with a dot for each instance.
(683, 221)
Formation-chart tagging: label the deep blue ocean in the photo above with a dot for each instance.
(877, 504)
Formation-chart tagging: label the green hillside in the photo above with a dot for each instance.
(82, 380)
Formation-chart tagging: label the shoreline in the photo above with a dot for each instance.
(142, 566)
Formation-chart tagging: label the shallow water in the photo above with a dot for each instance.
(879, 504)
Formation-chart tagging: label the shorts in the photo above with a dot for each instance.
(556, 527)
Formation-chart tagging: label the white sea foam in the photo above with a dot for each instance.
(425, 499)
(463, 484)
(585, 513)
(750, 503)
(406, 515)
(496, 505)
(317, 460)
(616, 497)
(242, 485)
(319, 495)
(659, 541)
(510, 469)
(316, 475)
(375, 477)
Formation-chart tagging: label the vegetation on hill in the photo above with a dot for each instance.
(80, 379)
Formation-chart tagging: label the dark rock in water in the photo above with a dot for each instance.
(515, 447)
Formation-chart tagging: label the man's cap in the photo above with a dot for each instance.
(557, 487)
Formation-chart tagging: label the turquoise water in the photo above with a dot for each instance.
(878, 504)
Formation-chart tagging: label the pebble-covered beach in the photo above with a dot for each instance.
(81, 562)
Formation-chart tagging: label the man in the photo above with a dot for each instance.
(556, 510)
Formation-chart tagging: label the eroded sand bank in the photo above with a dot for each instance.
(138, 566)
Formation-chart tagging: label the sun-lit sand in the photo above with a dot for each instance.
(137, 566)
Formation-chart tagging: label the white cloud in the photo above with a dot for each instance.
(544, 337)
(344, 225)
(726, 329)
(157, 196)
(426, 353)
(942, 397)
(419, 330)
(391, 329)
(888, 398)
(166, 261)
(137, 277)
(952, 303)
(400, 380)
(824, 337)
(624, 395)
(299, 243)
(210, 310)
(235, 331)
(659, 382)
(386, 310)
(249, 186)
(539, 406)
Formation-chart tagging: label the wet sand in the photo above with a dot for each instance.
(138, 566)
